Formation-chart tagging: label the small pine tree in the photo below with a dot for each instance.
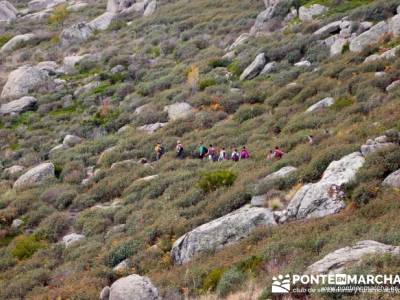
(59, 15)
(193, 78)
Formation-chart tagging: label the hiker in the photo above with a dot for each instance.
(235, 155)
(159, 150)
(179, 150)
(244, 154)
(310, 139)
(202, 151)
(222, 155)
(278, 153)
(211, 153)
(270, 155)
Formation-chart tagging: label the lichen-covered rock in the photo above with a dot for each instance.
(36, 5)
(102, 22)
(376, 144)
(72, 238)
(75, 34)
(15, 42)
(71, 140)
(372, 36)
(150, 8)
(178, 111)
(35, 176)
(8, 12)
(325, 196)
(133, 287)
(254, 68)
(307, 13)
(392, 180)
(337, 261)
(220, 232)
(23, 80)
(326, 102)
(18, 106)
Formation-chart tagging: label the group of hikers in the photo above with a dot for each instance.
(212, 154)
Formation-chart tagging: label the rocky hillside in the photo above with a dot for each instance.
(88, 88)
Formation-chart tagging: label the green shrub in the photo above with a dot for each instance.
(365, 192)
(26, 246)
(211, 280)
(247, 112)
(4, 39)
(52, 227)
(121, 252)
(234, 69)
(230, 281)
(341, 103)
(205, 83)
(214, 180)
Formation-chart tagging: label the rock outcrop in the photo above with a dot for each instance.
(325, 196)
(269, 68)
(389, 54)
(75, 34)
(393, 180)
(72, 238)
(18, 106)
(36, 5)
(254, 68)
(35, 176)
(178, 111)
(239, 41)
(25, 79)
(102, 22)
(70, 62)
(372, 36)
(151, 128)
(373, 145)
(8, 12)
(326, 102)
(271, 8)
(337, 261)
(220, 232)
(150, 8)
(15, 42)
(307, 13)
(71, 140)
(281, 173)
(133, 287)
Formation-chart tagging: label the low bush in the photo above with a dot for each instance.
(214, 180)
(247, 112)
(25, 246)
(230, 281)
(211, 280)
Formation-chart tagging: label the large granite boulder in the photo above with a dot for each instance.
(254, 68)
(373, 145)
(75, 34)
(8, 12)
(271, 8)
(72, 238)
(24, 80)
(281, 173)
(70, 62)
(181, 110)
(393, 180)
(307, 13)
(389, 54)
(71, 140)
(150, 8)
(133, 287)
(337, 261)
(394, 25)
(324, 197)
(102, 22)
(15, 42)
(328, 29)
(269, 68)
(151, 128)
(35, 176)
(18, 106)
(239, 41)
(220, 232)
(326, 102)
(372, 36)
(36, 5)
(337, 46)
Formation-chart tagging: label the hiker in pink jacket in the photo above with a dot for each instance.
(244, 154)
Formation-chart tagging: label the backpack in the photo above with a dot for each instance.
(162, 150)
(235, 157)
(203, 151)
